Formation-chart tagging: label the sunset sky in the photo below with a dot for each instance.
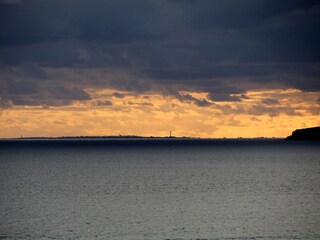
(206, 68)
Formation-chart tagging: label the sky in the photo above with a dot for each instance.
(206, 68)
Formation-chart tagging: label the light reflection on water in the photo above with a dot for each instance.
(223, 192)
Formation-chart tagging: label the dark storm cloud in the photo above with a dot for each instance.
(118, 95)
(223, 98)
(131, 85)
(189, 98)
(10, 1)
(21, 87)
(221, 48)
(233, 14)
(45, 21)
(63, 93)
(34, 72)
(224, 93)
(270, 101)
(103, 103)
(25, 92)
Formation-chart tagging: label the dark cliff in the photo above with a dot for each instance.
(305, 134)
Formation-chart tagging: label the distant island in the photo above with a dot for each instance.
(305, 134)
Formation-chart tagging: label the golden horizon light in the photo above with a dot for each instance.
(151, 114)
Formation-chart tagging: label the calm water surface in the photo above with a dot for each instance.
(254, 190)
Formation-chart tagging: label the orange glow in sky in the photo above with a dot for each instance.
(152, 114)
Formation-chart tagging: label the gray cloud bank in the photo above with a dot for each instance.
(48, 48)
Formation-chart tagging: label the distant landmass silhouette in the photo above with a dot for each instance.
(305, 134)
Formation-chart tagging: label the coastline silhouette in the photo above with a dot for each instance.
(305, 134)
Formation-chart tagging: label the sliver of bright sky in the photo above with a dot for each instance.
(205, 68)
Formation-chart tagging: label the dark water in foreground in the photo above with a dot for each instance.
(211, 190)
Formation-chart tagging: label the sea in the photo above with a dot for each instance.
(167, 189)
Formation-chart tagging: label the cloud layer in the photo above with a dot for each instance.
(204, 53)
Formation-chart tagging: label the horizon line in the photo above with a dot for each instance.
(132, 137)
